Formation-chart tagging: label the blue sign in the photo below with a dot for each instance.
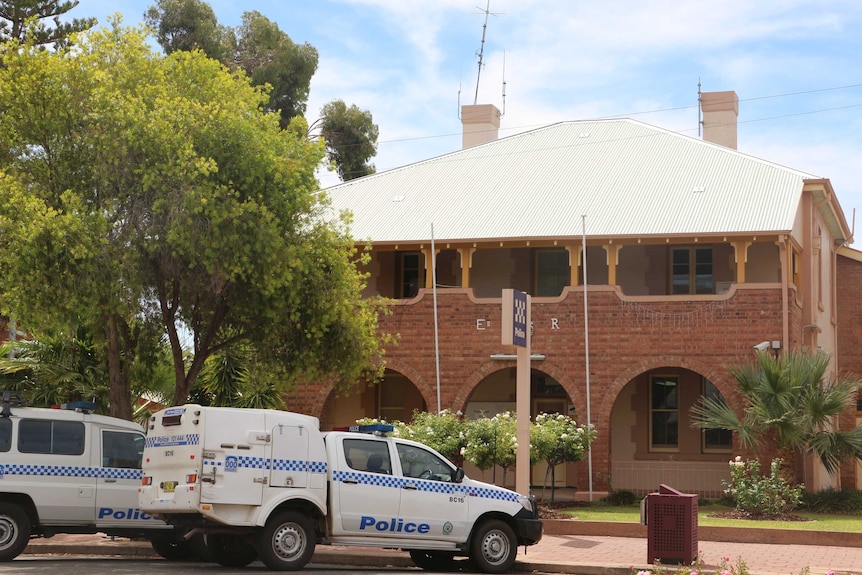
(519, 318)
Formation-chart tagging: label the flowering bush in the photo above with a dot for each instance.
(444, 431)
(492, 441)
(761, 495)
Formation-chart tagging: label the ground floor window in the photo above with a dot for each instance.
(664, 413)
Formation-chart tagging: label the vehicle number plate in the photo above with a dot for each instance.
(169, 486)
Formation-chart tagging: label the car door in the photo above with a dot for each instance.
(365, 496)
(118, 478)
(430, 499)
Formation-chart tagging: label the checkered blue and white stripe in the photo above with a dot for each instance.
(181, 440)
(273, 464)
(20, 470)
(384, 480)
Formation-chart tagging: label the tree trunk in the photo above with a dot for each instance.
(118, 380)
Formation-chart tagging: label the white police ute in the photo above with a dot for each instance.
(69, 470)
(269, 484)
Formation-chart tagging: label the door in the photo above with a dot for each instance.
(431, 503)
(289, 457)
(119, 477)
(366, 496)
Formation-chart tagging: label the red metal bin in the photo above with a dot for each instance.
(671, 526)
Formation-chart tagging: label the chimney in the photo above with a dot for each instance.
(481, 124)
(720, 111)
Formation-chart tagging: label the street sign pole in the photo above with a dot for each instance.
(516, 328)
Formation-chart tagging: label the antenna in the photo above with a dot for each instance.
(699, 108)
(481, 52)
(503, 113)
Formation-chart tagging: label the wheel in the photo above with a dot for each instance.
(433, 560)
(494, 547)
(198, 547)
(287, 541)
(231, 550)
(171, 547)
(426, 474)
(14, 531)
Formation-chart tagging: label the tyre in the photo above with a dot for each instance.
(287, 541)
(433, 560)
(171, 547)
(15, 530)
(494, 547)
(198, 546)
(231, 550)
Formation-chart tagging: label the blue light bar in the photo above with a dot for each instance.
(374, 428)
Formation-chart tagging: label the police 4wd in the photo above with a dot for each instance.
(71, 471)
(270, 484)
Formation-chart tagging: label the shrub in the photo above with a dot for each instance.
(761, 495)
(621, 498)
(834, 501)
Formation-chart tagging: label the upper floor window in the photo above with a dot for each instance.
(691, 271)
(552, 272)
(664, 413)
(409, 274)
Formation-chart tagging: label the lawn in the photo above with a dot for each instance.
(817, 521)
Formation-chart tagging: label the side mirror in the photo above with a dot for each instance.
(458, 476)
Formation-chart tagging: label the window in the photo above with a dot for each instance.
(691, 271)
(422, 464)
(390, 399)
(367, 455)
(552, 272)
(715, 440)
(122, 449)
(664, 413)
(410, 274)
(54, 437)
(5, 434)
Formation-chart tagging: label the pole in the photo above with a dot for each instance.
(436, 333)
(587, 355)
(522, 411)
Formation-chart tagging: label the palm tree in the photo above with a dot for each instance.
(789, 407)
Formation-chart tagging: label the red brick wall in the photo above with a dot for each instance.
(849, 356)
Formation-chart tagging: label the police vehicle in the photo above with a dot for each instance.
(69, 470)
(269, 484)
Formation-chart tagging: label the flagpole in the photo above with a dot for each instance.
(436, 334)
(587, 355)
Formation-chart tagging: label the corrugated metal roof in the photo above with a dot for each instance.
(628, 178)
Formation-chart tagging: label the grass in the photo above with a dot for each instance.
(817, 521)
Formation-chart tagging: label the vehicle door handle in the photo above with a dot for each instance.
(108, 480)
(350, 481)
(410, 486)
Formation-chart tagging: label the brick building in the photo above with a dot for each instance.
(693, 253)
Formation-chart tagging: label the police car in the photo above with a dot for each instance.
(269, 484)
(69, 470)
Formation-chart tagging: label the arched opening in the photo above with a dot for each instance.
(653, 440)
(393, 398)
(496, 394)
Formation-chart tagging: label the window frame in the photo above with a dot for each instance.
(663, 448)
(555, 274)
(693, 270)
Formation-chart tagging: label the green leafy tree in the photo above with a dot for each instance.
(789, 407)
(233, 378)
(270, 57)
(351, 138)
(444, 432)
(492, 441)
(15, 15)
(130, 191)
(190, 25)
(556, 439)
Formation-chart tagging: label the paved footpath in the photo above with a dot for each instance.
(571, 554)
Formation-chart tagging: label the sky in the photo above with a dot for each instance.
(796, 66)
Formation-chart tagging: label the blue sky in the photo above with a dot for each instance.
(796, 66)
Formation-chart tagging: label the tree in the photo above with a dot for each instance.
(269, 57)
(444, 431)
(15, 14)
(130, 192)
(492, 441)
(556, 439)
(190, 25)
(351, 138)
(789, 407)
